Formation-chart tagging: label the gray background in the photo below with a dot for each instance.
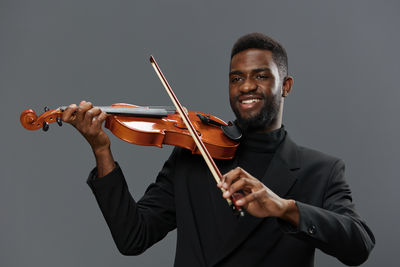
(343, 55)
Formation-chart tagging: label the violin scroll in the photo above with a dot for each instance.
(30, 121)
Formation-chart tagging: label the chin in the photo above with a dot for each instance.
(254, 123)
(257, 120)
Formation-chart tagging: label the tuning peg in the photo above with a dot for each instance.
(59, 121)
(46, 109)
(45, 126)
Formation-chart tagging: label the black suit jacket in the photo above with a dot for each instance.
(185, 197)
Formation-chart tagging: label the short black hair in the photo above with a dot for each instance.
(262, 41)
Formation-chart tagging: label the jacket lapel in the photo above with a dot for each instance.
(280, 178)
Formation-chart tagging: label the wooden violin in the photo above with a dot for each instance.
(195, 131)
(150, 126)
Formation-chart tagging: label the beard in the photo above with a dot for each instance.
(263, 119)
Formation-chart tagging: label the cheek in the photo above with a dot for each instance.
(271, 88)
(231, 93)
(232, 98)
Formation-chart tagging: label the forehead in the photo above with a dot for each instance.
(253, 58)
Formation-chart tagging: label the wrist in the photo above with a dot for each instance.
(291, 213)
(101, 151)
(104, 161)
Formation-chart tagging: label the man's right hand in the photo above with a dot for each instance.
(88, 121)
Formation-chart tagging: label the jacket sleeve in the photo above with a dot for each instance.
(335, 228)
(135, 226)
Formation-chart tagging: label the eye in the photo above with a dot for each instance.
(262, 77)
(235, 79)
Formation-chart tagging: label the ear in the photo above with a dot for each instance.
(287, 85)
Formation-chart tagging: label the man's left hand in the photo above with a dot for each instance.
(256, 198)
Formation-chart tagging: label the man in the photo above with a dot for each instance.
(296, 198)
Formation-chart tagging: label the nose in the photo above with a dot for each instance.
(248, 85)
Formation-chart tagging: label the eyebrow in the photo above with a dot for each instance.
(238, 72)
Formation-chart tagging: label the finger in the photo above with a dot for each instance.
(95, 111)
(230, 176)
(246, 200)
(236, 196)
(85, 106)
(233, 175)
(98, 121)
(68, 114)
(82, 109)
(244, 185)
(231, 189)
(88, 117)
(91, 114)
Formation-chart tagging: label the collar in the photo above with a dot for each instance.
(263, 142)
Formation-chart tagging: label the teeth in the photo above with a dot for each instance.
(248, 101)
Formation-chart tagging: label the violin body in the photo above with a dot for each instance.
(150, 130)
(171, 130)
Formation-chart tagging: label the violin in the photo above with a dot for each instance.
(205, 138)
(152, 126)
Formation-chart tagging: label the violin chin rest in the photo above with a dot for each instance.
(232, 131)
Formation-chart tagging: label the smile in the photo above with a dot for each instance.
(249, 101)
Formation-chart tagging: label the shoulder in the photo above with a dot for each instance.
(297, 155)
(313, 155)
(318, 172)
(317, 165)
(309, 159)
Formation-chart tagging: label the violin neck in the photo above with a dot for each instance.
(151, 111)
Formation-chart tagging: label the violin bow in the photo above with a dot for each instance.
(199, 143)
